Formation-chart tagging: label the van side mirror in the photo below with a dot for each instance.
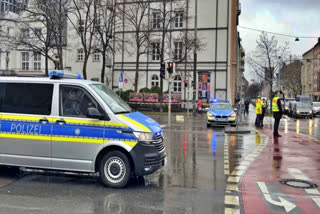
(94, 113)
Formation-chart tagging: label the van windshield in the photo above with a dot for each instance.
(115, 103)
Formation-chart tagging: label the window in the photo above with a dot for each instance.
(37, 61)
(318, 81)
(25, 33)
(319, 59)
(74, 101)
(97, 25)
(37, 32)
(177, 50)
(80, 55)
(154, 80)
(177, 84)
(156, 51)
(81, 23)
(96, 56)
(178, 20)
(26, 98)
(81, 3)
(25, 61)
(156, 20)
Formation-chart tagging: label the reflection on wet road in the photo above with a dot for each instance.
(193, 181)
(202, 174)
(308, 127)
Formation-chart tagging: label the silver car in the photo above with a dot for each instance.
(316, 108)
(302, 110)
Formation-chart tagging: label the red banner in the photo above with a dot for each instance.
(136, 97)
(175, 98)
(150, 97)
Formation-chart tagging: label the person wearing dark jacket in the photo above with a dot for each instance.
(264, 110)
(277, 113)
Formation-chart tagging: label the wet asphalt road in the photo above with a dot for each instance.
(194, 180)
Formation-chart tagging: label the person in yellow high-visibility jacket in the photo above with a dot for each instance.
(277, 113)
(258, 112)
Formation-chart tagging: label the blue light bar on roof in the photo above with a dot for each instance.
(214, 100)
(59, 74)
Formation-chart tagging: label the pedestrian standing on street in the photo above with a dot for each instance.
(246, 107)
(258, 111)
(199, 106)
(264, 110)
(277, 113)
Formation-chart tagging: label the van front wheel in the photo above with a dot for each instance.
(115, 169)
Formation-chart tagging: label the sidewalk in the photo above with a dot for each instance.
(292, 156)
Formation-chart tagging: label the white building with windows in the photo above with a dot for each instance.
(216, 64)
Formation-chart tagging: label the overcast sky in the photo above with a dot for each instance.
(293, 17)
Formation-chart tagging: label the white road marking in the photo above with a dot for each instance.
(288, 206)
(298, 174)
(231, 211)
(231, 200)
(316, 200)
(233, 179)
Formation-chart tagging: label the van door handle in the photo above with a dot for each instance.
(61, 121)
(44, 120)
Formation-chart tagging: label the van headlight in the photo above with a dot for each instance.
(210, 115)
(233, 115)
(144, 136)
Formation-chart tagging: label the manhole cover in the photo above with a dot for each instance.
(298, 183)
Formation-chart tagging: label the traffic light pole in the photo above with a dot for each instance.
(195, 57)
(169, 107)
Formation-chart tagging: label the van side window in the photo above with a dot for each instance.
(74, 101)
(26, 98)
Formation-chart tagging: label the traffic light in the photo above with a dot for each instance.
(185, 83)
(170, 67)
(162, 70)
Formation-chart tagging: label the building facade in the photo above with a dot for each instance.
(310, 72)
(217, 60)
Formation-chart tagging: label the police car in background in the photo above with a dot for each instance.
(221, 113)
(64, 123)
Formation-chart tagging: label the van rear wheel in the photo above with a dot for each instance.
(115, 169)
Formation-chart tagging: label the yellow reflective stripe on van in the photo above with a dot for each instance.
(25, 136)
(63, 139)
(24, 117)
(91, 123)
(141, 126)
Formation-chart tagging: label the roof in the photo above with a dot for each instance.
(46, 80)
(318, 43)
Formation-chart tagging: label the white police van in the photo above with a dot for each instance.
(64, 123)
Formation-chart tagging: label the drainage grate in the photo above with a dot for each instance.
(296, 183)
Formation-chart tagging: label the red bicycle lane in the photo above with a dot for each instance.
(291, 156)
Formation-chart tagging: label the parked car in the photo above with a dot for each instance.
(290, 108)
(301, 110)
(286, 105)
(316, 108)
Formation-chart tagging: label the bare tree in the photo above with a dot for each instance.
(41, 29)
(254, 90)
(291, 77)
(83, 17)
(107, 23)
(135, 18)
(267, 59)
